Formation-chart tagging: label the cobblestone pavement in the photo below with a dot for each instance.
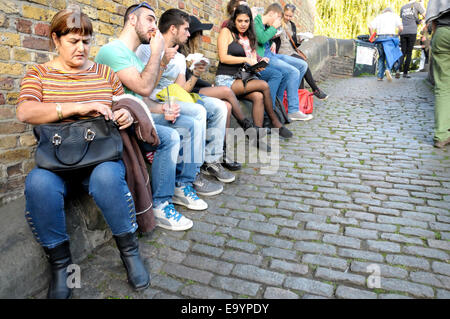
(360, 191)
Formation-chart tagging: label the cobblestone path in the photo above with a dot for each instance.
(360, 191)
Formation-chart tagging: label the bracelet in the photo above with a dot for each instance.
(59, 111)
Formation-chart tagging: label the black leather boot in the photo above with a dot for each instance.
(137, 274)
(229, 163)
(59, 259)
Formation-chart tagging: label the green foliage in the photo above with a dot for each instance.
(346, 19)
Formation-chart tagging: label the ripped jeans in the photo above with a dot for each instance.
(45, 192)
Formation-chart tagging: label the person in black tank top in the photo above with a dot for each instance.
(204, 88)
(236, 44)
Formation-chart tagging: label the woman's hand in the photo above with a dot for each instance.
(251, 61)
(123, 118)
(262, 69)
(95, 109)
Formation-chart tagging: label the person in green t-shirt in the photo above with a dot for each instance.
(140, 80)
(292, 69)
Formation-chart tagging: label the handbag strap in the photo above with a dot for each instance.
(88, 138)
(290, 38)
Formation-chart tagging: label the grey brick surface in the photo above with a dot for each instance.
(353, 293)
(317, 248)
(360, 254)
(327, 228)
(361, 233)
(385, 270)
(204, 292)
(426, 252)
(188, 273)
(284, 266)
(441, 268)
(342, 241)
(417, 290)
(278, 293)
(308, 285)
(326, 261)
(383, 246)
(253, 273)
(408, 261)
(238, 286)
(332, 275)
(431, 279)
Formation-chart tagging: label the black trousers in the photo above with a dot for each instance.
(308, 77)
(407, 42)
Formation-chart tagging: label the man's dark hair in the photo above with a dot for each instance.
(132, 9)
(171, 17)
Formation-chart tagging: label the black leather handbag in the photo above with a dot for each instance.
(74, 145)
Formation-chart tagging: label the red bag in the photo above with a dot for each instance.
(305, 101)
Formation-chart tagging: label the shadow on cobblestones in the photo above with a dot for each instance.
(359, 208)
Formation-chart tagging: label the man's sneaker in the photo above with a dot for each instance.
(299, 116)
(167, 217)
(320, 95)
(205, 187)
(218, 171)
(388, 75)
(187, 196)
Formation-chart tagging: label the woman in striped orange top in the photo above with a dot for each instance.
(68, 88)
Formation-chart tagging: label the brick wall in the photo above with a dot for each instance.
(24, 30)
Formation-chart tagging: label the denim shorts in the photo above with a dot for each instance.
(224, 80)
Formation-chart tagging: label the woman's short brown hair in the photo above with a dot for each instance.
(70, 21)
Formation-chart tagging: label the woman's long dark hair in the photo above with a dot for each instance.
(250, 33)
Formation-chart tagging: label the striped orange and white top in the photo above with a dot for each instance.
(44, 84)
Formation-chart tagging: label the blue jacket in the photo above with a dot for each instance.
(391, 50)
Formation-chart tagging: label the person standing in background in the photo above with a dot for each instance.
(385, 25)
(438, 13)
(410, 20)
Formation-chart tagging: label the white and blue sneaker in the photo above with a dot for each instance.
(168, 217)
(187, 196)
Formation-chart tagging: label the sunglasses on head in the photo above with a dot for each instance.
(143, 4)
(290, 6)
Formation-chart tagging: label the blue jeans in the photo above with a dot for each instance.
(273, 77)
(164, 164)
(292, 70)
(288, 85)
(45, 192)
(382, 57)
(216, 122)
(191, 127)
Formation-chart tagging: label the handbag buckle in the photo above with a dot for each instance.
(89, 136)
(56, 140)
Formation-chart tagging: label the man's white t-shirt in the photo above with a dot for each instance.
(175, 67)
(386, 23)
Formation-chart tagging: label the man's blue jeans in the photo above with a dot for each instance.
(216, 122)
(290, 84)
(45, 192)
(273, 77)
(191, 127)
(292, 70)
(164, 164)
